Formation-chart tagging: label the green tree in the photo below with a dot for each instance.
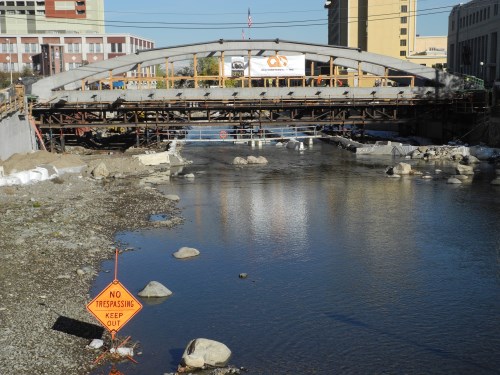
(160, 72)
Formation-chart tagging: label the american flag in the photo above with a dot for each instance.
(250, 22)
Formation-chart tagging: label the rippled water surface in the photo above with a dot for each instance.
(350, 272)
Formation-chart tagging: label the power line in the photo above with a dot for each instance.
(233, 25)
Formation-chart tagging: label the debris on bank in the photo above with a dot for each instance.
(23, 169)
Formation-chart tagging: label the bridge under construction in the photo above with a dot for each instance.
(341, 88)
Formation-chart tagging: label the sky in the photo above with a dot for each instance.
(177, 22)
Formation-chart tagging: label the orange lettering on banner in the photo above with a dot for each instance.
(277, 61)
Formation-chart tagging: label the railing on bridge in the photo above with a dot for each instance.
(251, 134)
(170, 82)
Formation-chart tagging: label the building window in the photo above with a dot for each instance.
(402, 53)
(73, 48)
(8, 48)
(30, 47)
(80, 3)
(495, 10)
(95, 48)
(452, 25)
(402, 42)
(10, 3)
(404, 8)
(404, 19)
(403, 31)
(116, 47)
(20, 3)
(30, 3)
(80, 11)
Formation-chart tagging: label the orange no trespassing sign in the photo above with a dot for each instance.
(114, 307)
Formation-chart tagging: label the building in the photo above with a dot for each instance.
(52, 53)
(386, 27)
(473, 39)
(50, 16)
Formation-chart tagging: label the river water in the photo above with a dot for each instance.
(349, 272)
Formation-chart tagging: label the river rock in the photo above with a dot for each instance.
(461, 177)
(210, 352)
(453, 180)
(100, 171)
(470, 159)
(173, 197)
(240, 161)
(464, 169)
(154, 289)
(402, 169)
(256, 160)
(496, 181)
(186, 252)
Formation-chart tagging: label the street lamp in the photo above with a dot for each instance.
(10, 60)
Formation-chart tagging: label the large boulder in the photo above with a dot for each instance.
(202, 352)
(154, 289)
(186, 252)
(402, 169)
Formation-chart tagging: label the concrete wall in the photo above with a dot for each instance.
(16, 136)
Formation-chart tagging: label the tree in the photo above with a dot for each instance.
(160, 72)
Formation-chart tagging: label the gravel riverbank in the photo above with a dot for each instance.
(53, 237)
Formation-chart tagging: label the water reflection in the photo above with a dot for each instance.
(349, 271)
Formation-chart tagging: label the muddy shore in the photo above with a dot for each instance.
(53, 237)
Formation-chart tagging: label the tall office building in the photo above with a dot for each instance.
(386, 27)
(51, 16)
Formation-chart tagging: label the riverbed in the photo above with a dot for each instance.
(349, 271)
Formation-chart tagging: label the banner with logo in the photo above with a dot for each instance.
(271, 66)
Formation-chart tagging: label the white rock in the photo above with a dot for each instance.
(461, 177)
(173, 197)
(214, 353)
(402, 169)
(189, 176)
(464, 169)
(100, 171)
(257, 160)
(496, 181)
(194, 361)
(240, 161)
(186, 252)
(453, 180)
(96, 344)
(154, 289)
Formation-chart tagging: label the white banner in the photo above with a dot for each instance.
(272, 66)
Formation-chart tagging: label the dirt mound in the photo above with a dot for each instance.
(24, 162)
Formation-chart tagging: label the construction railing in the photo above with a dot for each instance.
(12, 101)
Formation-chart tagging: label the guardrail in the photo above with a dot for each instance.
(250, 134)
